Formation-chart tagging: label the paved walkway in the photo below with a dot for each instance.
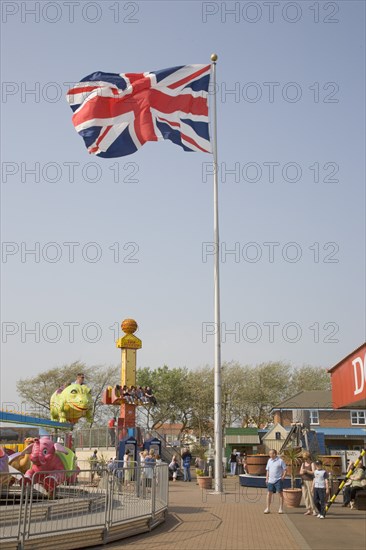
(235, 521)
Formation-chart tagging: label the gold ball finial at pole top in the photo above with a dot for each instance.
(214, 57)
(129, 326)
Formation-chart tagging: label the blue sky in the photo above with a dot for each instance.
(291, 141)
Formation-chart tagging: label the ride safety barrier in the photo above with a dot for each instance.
(100, 507)
(343, 482)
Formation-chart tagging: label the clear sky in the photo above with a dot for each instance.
(291, 142)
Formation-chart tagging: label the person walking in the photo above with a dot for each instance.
(112, 430)
(320, 488)
(233, 462)
(127, 467)
(142, 456)
(307, 475)
(186, 460)
(150, 461)
(111, 465)
(158, 463)
(275, 474)
(93, 464)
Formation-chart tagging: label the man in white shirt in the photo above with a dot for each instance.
(275, 474)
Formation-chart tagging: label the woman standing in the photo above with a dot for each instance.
(307, 475)
(233, 462)
(126, 466)
(150, 461)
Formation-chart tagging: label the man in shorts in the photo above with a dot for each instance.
(275, 474)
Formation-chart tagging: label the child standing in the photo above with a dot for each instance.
(320, 488)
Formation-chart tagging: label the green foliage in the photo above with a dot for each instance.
(308, 378)
(293, 457)
(171, 390)
(201, 390)
(198, 450)
(248, 393)
(187, 396)
(199, 472)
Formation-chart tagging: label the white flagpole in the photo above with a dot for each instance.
(217, 398)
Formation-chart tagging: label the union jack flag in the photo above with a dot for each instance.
(116, 114)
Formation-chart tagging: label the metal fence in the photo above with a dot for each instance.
(95, 438)
(92, 438)
(98, 499)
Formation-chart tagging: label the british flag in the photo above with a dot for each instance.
(117, 113)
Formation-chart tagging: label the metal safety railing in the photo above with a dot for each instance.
(94, 438)
(95, 499)
(12, 504)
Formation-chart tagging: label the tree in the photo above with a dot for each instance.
(234, 389)
(98, 379)
(171, 390)
(37, 390)
(308, 378)
(201, 392)
(185, 396)
(266, 385)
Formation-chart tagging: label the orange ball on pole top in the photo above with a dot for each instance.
(129, 326)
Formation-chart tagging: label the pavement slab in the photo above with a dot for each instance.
(235, 520)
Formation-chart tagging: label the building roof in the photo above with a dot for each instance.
(342, 432)
(276, 428)
(347, 357)
(314, 399)
(241, 436)
(242, 439)
(241, 431)
(169, 426)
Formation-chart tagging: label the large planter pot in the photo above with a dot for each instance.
(205, 482)
(256, 465)
(332, 463)
(292, 497)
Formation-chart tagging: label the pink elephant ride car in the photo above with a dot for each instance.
(52, 464)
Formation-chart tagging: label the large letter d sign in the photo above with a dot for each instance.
(359, 371)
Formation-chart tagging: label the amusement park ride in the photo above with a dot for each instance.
(129, 433)
(73, 401)
(128, 345)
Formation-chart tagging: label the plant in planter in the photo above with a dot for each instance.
(200, 460)
(205, 482)
(292, 457)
